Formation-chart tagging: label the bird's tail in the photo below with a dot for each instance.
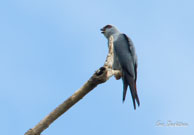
(129, 81)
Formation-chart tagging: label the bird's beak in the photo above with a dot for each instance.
(102, 30)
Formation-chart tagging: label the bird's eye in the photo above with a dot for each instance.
(108, 26)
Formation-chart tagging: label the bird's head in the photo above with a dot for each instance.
(109, 30)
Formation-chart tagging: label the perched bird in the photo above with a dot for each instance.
(125, 59)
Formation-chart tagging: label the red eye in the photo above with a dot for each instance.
(108, 26)
(105, 27)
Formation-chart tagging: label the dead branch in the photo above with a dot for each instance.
(100, 76)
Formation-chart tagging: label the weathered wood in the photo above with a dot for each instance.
(100, 76)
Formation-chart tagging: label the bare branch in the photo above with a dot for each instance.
(100, 76)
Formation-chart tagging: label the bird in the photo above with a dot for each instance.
(125, 60)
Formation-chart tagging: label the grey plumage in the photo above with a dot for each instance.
(125, 59)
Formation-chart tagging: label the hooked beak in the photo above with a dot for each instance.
(102, 30)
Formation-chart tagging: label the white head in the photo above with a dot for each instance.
(109, 30)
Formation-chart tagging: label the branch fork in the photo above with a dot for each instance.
(100, 76)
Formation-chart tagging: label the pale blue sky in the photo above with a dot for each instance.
(49, 48)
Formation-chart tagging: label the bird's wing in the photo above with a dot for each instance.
(128, 60)
(133, 54)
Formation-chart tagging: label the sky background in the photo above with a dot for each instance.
(50, 48)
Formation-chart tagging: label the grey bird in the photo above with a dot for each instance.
(125, 59)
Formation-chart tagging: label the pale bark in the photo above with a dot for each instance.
(100, 76)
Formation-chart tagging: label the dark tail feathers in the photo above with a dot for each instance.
(128, 81)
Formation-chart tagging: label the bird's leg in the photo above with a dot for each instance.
(117, 74)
